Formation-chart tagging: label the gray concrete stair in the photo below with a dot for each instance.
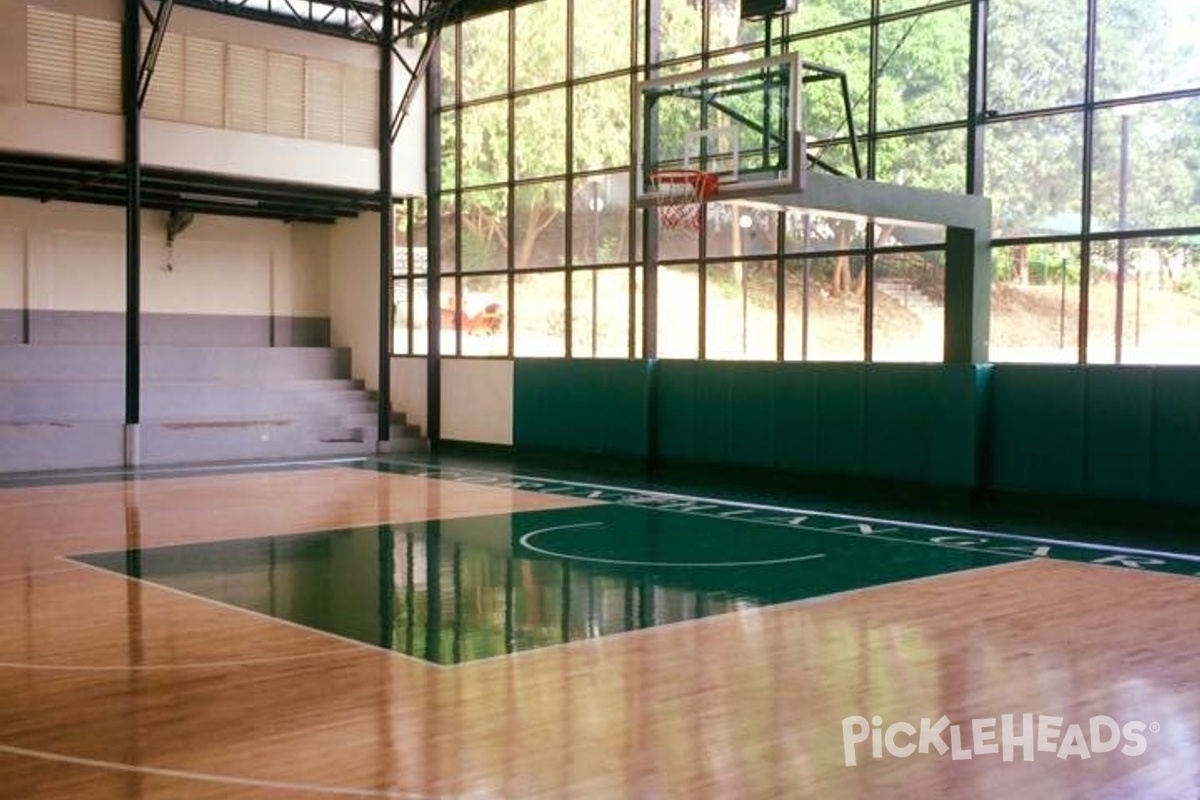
(62, 406)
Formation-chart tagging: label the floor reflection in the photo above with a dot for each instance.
(451, 591)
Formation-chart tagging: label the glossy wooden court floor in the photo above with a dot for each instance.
(119, 688)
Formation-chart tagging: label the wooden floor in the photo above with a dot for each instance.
(111, 688)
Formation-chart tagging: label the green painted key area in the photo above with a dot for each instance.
(452, 591)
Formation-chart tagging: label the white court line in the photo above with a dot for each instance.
(209, 777)
(37, 573)
(54, 479)
(146, 667)
(524, 540)
(260, 615)
(1102, 548)
(633, 493)
(181, 665)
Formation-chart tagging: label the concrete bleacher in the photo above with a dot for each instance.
(62, 405)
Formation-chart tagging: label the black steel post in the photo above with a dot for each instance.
(652, 17)
(1089, 127)
(977, 96)
(387, 225)
(387, 586)
(433, 243)
(133, 214)
(1122, 223)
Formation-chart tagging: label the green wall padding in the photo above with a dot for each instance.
(753, 417)
(796, 420)
(1037, 428)
(1100, 431)
(1110, 432)
(1119, 423)
(626, 404)
(959, 409)
(917, 422)
(1174, 475)
(899, 419)
(583, 405)
(678, 431)
(923, 422)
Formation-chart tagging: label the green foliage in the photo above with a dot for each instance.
(1188, 283)
(1036, 60)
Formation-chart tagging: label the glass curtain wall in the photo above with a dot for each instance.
(1088, 157)
(1091, 164)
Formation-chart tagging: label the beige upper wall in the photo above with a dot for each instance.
(69, 256)
(12, 267)
(409, 378)
(50, 130)
(236, 30)
(306, 284)
(188, 21)
(12, 54)
(258, 155)
(354, 293)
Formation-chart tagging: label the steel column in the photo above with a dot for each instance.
(977, 96)
(387, 226)
(133, 214)
(433, 283)
(158, 31)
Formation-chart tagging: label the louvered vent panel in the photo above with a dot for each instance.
(164, 99)
(323, 101)
(97, 65)
(203, 82)
(246, 88)
(50, 38)
(359, 106)
(285, 95)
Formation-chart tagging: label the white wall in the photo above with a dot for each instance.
(50, 130)
(71, 257)
(477, 400)
(259, 156)
(12, 267)
(477, 397)
(303, 290)
(409, 379)
(354, 293)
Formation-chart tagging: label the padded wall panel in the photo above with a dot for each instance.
(713, 422)
(627, 403)
(923, 423)
(675, 401)
(753, 421)
(796, 422)
(1038, 428)
(1175, 477)
(898, 418)
(583, 405)
(717, 412)
(1120, 423)
(959, 409)
(907, 422)
(840, 418)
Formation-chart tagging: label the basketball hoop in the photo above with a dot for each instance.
(680, 193)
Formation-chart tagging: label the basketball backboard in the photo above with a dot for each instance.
(739, 122)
